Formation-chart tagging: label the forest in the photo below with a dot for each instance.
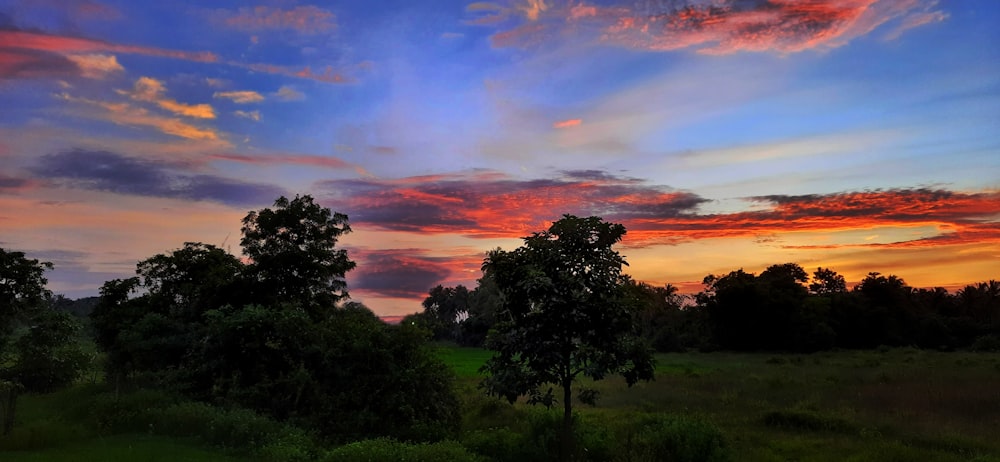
(268, 357)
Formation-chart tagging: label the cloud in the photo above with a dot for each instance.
(252, 115)
(312, 161)
(402, 273)
(96, 66)
(567, 123)
(128, 115)
(150, 90)
(306, 19)
(709, 27)
(327, 75)
(486, 204)
(14, 184)
(240, 97)
(35, 64)
(63, 44)
(287, 93)
(490, 204)
(116, 173)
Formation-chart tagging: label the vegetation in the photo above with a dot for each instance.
(209, 357)
(563, 316)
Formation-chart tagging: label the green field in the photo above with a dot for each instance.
(900, 404)
(891, 405)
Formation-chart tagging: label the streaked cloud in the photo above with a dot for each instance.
(307, 19)
(567, 123)
(116, 173)
(240, 97)
(150, 90)
(283, 159)
(129, 115)
(64, 44)
(709, 27)
(401, 273)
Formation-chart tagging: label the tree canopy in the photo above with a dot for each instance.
(563, 315)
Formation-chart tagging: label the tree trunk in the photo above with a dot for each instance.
(8, 406)
(566, 446)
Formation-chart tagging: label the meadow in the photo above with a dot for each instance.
(877, 405)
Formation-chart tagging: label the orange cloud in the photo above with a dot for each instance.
(96, 66)
(150, 90)
(328, 75)
(567, 123)
(126, 114)
(306, 19)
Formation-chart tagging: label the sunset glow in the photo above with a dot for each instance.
(859, 135)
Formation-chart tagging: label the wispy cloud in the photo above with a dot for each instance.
(287, 93)
(306, 19)
(150, 90)
(709, 27)
(129, 115)
(283, 159)
(64, 44)
(96, 66)
(240, 97)
(567, 123)
(252, 115)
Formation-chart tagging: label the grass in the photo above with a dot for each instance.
(885, 405)
(894, 404)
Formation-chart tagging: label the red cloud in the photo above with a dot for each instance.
(488, 204)
(567, 123)
(16, 39)
(717, 27)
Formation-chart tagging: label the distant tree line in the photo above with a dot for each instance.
(780, 309)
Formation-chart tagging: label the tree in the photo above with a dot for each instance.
(563, 315)
(22, 290)
(293, 256)
(443, 308)
(827, 282)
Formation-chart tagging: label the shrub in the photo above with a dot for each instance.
(986, 343)
(673, 438)
(388, 450)
(803, 420)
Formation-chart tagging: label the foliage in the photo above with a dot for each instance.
(673, 438)
(22, 290)
(563, 315)
(293, 255)
(48, 356)
(388, 450)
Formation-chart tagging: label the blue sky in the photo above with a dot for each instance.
(860, 135)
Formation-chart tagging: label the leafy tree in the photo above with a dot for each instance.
(563, 316)
(22, 290)
(446, 306)
(484, 303)
(48, 356)
(293, 256)
(827, 282)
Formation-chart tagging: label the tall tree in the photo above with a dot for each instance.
(22, 289)
(563, 315)
(294, 259)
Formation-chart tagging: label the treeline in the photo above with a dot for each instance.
(780, 309)
(275, 334)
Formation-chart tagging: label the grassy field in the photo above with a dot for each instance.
(888, 405)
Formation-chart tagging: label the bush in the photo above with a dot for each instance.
(388, 450)
(802, 420)
(986, 343)
(673, 438)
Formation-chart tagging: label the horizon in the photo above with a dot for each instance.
(858, 135)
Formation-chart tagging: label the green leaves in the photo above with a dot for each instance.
(563, 313)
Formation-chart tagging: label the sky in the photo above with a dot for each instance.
(857, 135)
